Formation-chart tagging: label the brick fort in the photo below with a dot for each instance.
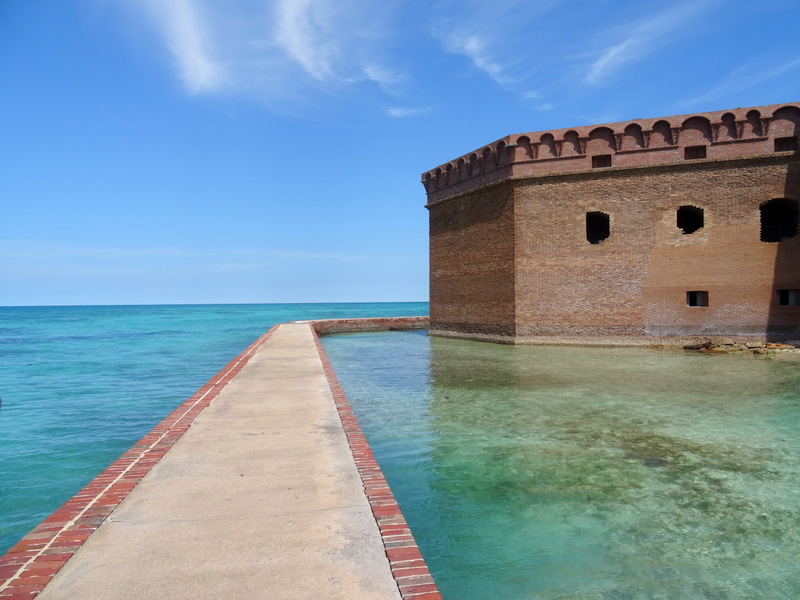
(651, 231)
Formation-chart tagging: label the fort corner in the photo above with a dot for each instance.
(642, 232)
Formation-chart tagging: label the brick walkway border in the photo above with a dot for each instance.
(31, 563)
(408, 567)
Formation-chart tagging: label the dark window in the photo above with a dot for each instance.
(786, 144)
(598, 227)
(693, 152)
(690, 218)
(697, 298)
(601, 160)
(778, 220)
(788, 297)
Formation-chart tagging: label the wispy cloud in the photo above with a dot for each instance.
(743, 78)
(16, 251)
(475, 48)
(277, 50)
(188, 38)
(316, 256)
(644, 37)
(303, 31)
(537, 100)
(334, 40)
(402, 112)
(34, 251)
(490, 35)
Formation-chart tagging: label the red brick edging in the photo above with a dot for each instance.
(407, 565)
(30, 564)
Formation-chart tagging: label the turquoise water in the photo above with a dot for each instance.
(585, 473)
(79, 385)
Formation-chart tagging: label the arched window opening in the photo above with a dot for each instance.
(662, 135)
(752, 126)
(779, 219)
(598, 227)
(571, 145)
(547, 147)
(727, 129)
(690, 219)
(633, 139)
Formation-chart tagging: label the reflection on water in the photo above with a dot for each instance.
(585, 473)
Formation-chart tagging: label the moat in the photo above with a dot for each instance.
(553, 473)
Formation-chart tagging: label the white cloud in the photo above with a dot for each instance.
(23, 251)
(475, 48)
(189, 40)
(612, 58)
(303, 31)
(34, 251)
(388, 79)
(277, 50)
(644, 37)
(497, 38)
(401, 112)
(744, 78)
(320, 256)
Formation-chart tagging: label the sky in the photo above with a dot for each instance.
(249, 151)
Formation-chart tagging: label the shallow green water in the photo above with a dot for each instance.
(585, 473)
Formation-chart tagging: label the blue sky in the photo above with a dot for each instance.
(203, 151)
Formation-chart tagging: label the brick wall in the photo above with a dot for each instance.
(472, 263)
(510, 257)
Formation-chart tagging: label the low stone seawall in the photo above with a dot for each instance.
(328, 326)
(645, 341)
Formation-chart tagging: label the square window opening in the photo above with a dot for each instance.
(780, 218)
(600, 161)
(786, 144)
(690, 219)
(697, 298)
(598, 227)
(694, 152)
(788, 297)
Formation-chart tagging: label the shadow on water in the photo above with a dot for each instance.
(784, 315)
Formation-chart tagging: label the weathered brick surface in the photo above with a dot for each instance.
(510, 260)
(472, 262)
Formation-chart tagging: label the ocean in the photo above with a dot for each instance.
(79, 385)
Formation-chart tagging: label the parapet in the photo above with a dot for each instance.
(717, 135)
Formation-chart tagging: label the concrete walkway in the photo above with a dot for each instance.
(260, 498)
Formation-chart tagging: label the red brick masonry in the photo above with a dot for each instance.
(580, 236)
(29, 565)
